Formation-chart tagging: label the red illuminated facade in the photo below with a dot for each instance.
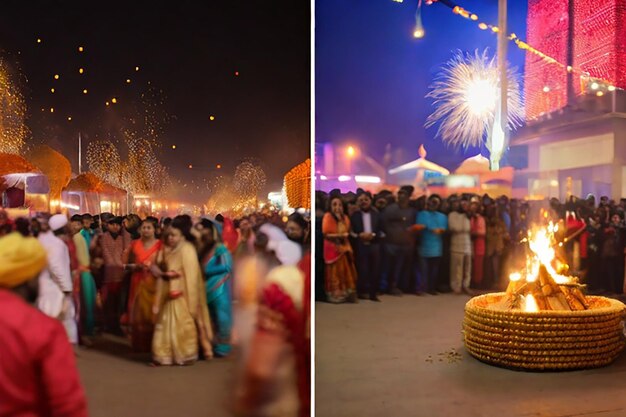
(599, 49)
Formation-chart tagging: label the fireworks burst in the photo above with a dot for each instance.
(249, 180)
(465, 96)
(13, 130)
(140, 172)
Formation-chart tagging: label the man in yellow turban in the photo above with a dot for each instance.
(38, 374)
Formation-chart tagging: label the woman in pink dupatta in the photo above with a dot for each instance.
(340, 282)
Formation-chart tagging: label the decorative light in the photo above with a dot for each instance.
(344, 178)
(546, 89)
(81, 70)
(236, 73)
(38, 40)
(599, 94)
(136, 68)
(190, 166)
(128, 81)
(418, 33)
(474, 17)
(369, 179)
(482, 26)
(56, 76)
(114, 100)
(211, 118)
(612, 88)
(351, 151)
(107, 103)
(173, 146)
(51, 109)
(52, 90)
(218, 166)
(595, 86)
(85, 91)
(69, 118)
(81, 49)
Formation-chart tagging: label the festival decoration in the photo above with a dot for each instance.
(54, 165)
(544, 321)
(596, 36)
(13, 129)
(298, 185)
(465, 96)
(599, 51)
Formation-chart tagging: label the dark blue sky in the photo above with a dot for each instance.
(371, 76)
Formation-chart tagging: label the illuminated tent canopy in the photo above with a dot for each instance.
(298, 185)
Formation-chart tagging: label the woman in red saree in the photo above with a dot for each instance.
(143, 252)
(340, 270)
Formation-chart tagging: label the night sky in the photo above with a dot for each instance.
(371, 74)
(188, 49)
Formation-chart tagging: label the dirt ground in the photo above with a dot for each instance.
(405, 357)
(121, 384)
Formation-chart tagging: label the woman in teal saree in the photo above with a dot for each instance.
(217, 265)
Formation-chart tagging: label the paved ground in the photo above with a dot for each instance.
(121, 384)
(396, 358)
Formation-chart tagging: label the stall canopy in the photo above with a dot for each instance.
(54, 165)
(10, 164)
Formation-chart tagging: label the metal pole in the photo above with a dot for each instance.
(571, 95)
(502, 51)
(80, 154)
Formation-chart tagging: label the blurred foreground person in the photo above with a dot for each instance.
(276, 377)
(38, 375)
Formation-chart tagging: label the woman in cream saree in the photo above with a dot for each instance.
(182, 315)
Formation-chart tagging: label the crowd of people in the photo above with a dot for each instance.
(178, 289)
(388, 243)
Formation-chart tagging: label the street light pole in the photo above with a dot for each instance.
(502, 51)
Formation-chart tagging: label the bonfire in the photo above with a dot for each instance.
(544, 321)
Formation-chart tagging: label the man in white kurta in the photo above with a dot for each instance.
(55, 281)
(460, 248)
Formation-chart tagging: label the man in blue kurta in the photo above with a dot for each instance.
(434, 224)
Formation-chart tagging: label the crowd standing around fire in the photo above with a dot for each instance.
(179, 290)
(388, 243)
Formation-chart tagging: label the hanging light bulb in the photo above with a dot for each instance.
(419, 32)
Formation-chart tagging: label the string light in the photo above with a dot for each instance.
(136, 68)
(51, 109)
(38, 40)
(173, 146)
(81, 70)
(128, 81)
(85, 91)
(69, 118)
(211, 118)
(52, 90)
(114, 100)
(81, 49)
(56, 76)
(107, 103)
